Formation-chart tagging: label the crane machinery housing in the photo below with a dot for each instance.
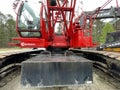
(52, 24)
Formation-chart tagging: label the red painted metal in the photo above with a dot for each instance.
(58, 15)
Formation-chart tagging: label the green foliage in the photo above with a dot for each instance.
(97, 29)
(106, 29)
(7, 29)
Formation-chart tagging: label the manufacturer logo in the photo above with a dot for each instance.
(27, 44)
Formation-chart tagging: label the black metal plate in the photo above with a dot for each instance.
(42, 71)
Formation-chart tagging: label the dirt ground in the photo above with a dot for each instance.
(101, 81)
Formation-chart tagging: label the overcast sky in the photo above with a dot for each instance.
(6, 5)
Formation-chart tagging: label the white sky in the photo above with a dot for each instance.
(6, 5)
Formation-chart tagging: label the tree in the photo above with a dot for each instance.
(106, 29)
(10, 27)
(7, 29)
(2, 28)
(97, 29)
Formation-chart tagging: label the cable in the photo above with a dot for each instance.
(104, 5)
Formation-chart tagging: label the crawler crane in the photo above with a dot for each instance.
(54, 25)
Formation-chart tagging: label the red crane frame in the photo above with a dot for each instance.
(73, 35)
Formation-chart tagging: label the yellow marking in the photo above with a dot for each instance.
(112, 49)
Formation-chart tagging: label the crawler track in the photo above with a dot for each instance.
(106, 61)
(10, 72)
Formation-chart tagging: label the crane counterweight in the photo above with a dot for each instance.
(56, 71)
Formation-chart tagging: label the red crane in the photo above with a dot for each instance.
(52, 24)
(55, 26)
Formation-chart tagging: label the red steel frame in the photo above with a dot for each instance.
(73, 35)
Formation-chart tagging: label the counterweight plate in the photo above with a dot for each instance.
(57, 70)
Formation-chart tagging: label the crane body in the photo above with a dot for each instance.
(53, 24)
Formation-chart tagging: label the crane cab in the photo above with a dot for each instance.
(28, 21)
